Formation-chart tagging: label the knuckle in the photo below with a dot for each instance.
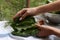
(28, 12)
(24, 9)
(18, 12)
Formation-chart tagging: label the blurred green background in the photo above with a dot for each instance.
(8, 8)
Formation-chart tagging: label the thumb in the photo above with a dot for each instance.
(38, 26)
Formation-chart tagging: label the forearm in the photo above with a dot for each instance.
(55, 6)
(55, 31)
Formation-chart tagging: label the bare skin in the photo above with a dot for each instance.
(45, 30)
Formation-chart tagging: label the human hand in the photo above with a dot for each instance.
(25, 12)
(44, 30)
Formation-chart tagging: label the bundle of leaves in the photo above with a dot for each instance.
(25, 27)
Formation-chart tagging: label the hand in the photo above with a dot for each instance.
(44, 30)
(25, 12)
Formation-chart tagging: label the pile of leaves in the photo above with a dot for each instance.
(25, 27)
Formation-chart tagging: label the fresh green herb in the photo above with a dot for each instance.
(25, 27)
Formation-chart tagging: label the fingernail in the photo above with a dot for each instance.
(20, 19)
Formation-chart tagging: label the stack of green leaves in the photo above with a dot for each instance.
(25, 27)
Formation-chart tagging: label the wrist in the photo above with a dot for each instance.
(53, 30)
(35, 11)
(41, 9)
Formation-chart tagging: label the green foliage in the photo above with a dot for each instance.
(8, 8)
(34, 3)
(25, 27)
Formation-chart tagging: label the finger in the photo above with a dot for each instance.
(38, 26)
(19, 14)
(24, 16)
(41, 22)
